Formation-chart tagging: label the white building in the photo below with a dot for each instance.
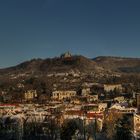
(60, 95)
(112, 87)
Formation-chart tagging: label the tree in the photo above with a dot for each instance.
(68, 129)
(109, 124)
(123, 130)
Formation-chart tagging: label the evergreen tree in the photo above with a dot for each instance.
(68, 130)
(123, 129)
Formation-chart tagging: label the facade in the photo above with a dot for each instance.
(138, 101)
(30, 95)
(136, 125)
(112, 87)
(119, 99)
(60, 95)
(102, 106)
(92, 98)
(122, 109)
(66, 55)
(86, 91)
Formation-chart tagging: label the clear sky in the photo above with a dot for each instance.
(46, 28)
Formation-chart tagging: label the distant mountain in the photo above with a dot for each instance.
(119, 64)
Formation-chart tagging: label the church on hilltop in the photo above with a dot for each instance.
(66, 55)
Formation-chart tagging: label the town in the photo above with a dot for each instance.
(69, 105)
(69, 69)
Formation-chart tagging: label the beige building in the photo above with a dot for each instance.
(136, 125)
(112, 87)
(92, 98)
(85, 91)
(60, 95)
(138, 101)
(30, 94)
(102, 106)
(66, 55)
(119, 99)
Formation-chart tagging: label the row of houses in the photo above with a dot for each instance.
(63, 94)
(88, 113)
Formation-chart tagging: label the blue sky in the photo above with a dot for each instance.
(46, 28)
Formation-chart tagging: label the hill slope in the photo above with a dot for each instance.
(125, 65)
(77, 64)
(74, 63)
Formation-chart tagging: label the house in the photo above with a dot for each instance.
(20, 85)
(91, 107)
(92, 98)
(43, 98)
(123, 109)
(60, 95)
(30, 95)
(119, 99)
(89, 117)
(76, 101)
(136, 125)
(8, 106)
(138, 101)
(7, 97)
(85, 91)
(112, 87)
(102, 106)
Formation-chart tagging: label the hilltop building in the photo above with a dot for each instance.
(66, 55)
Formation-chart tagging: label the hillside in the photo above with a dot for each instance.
(74, 63)
(68, 73)
(119, 64)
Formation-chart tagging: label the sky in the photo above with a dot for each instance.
(46, 28)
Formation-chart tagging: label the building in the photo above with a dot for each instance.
(8, 106)
(92, 98)
(85, 91)
(102, 106)
(136, 125)
(7, 98)
(91, 107)
(119, 99)
(60, 95)
(112, 87)
(138, 101)
(30, 95)
(66, 55)
(122, 109)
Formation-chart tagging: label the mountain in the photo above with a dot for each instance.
(119, 64)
